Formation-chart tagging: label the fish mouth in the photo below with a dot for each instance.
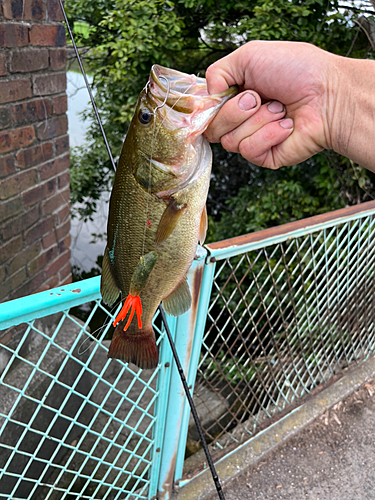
(185, 93)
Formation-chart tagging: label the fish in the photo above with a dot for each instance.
(157, 209)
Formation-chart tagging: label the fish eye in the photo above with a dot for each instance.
(144, 116)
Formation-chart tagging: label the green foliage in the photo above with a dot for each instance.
(319, 185)
(125, 37)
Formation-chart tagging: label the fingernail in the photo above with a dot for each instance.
(247, 102)
(275, 107)
(287, 123)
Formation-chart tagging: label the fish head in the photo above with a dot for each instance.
(173, 111)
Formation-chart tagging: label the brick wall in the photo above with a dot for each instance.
(34, 149)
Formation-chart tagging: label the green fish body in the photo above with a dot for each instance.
(157, 208)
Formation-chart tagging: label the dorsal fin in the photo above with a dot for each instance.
(169, 221)
(179, 301)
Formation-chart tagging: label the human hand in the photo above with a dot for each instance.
(293, 85)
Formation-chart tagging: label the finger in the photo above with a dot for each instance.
(226, 72)
(234, 112)
(259, 148)
(268, 113)
(219, 78)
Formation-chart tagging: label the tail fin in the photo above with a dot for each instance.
(135, 346)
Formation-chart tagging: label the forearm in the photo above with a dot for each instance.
(351, 119)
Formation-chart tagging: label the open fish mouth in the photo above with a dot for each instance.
(185, 93)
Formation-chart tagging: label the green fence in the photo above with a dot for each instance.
(275, 314)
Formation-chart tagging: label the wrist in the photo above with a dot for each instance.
(352, 110)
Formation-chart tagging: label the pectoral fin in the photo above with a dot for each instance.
(108, 288)
(168, 221)
(179, 301)
(203, 226)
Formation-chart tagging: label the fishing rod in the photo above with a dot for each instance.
(160, 307)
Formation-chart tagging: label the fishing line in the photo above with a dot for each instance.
(175, 355)
(151, 155)
(192, 408)
(88, 86)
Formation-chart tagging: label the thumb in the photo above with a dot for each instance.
(220, 77)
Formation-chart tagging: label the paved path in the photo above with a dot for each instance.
(333, 458)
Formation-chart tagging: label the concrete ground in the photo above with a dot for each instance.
(323, 450)
(333, 458)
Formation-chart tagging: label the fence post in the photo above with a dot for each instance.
(183, 333)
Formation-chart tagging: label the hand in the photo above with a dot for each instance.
(294, 82)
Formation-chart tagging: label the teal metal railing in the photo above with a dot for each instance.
(274, 314)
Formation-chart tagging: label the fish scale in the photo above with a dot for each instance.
(156, 210)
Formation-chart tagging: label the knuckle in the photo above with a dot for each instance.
(228, 143)
(245, 150)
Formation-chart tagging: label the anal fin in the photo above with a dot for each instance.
(179, 301)
(108, 288)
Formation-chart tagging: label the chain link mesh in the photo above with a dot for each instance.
(73, 424)
(282, 320)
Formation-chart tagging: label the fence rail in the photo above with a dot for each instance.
(274, 314)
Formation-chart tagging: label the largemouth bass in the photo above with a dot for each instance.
(157, 208)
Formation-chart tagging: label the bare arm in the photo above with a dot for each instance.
(306, 100)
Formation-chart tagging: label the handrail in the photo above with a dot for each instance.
(48, 302)
(240, 244)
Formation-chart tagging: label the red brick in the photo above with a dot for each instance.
(7, 165)
(9, 249)
(27, 60)
(49, 240)
(57, 58)
(64, 244)
(16, 139)
(3, 68)
(54, 83)
(63, 231)
(31, 111)
(10, 208)
(47, 35)
(20, 223)
(53, 268)
(13, 282)
(32, 156)
(31, 286)
(2, 279)
(24, 9)
(14, 35)
(60, 104)
(13, 9)
(5, 117)
(51, 283)
(54, 167)
(15, 90)
(53, 127)
(66, 274)
(23, 258)
(62, 145)
(63, 180)
(17, 183)
(35, 9)
(37, 232)
(37, 264)
(55, 202)
(39, 193)
(63, 215)
(54, 10)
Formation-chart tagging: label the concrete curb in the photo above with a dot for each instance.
(250, 452)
